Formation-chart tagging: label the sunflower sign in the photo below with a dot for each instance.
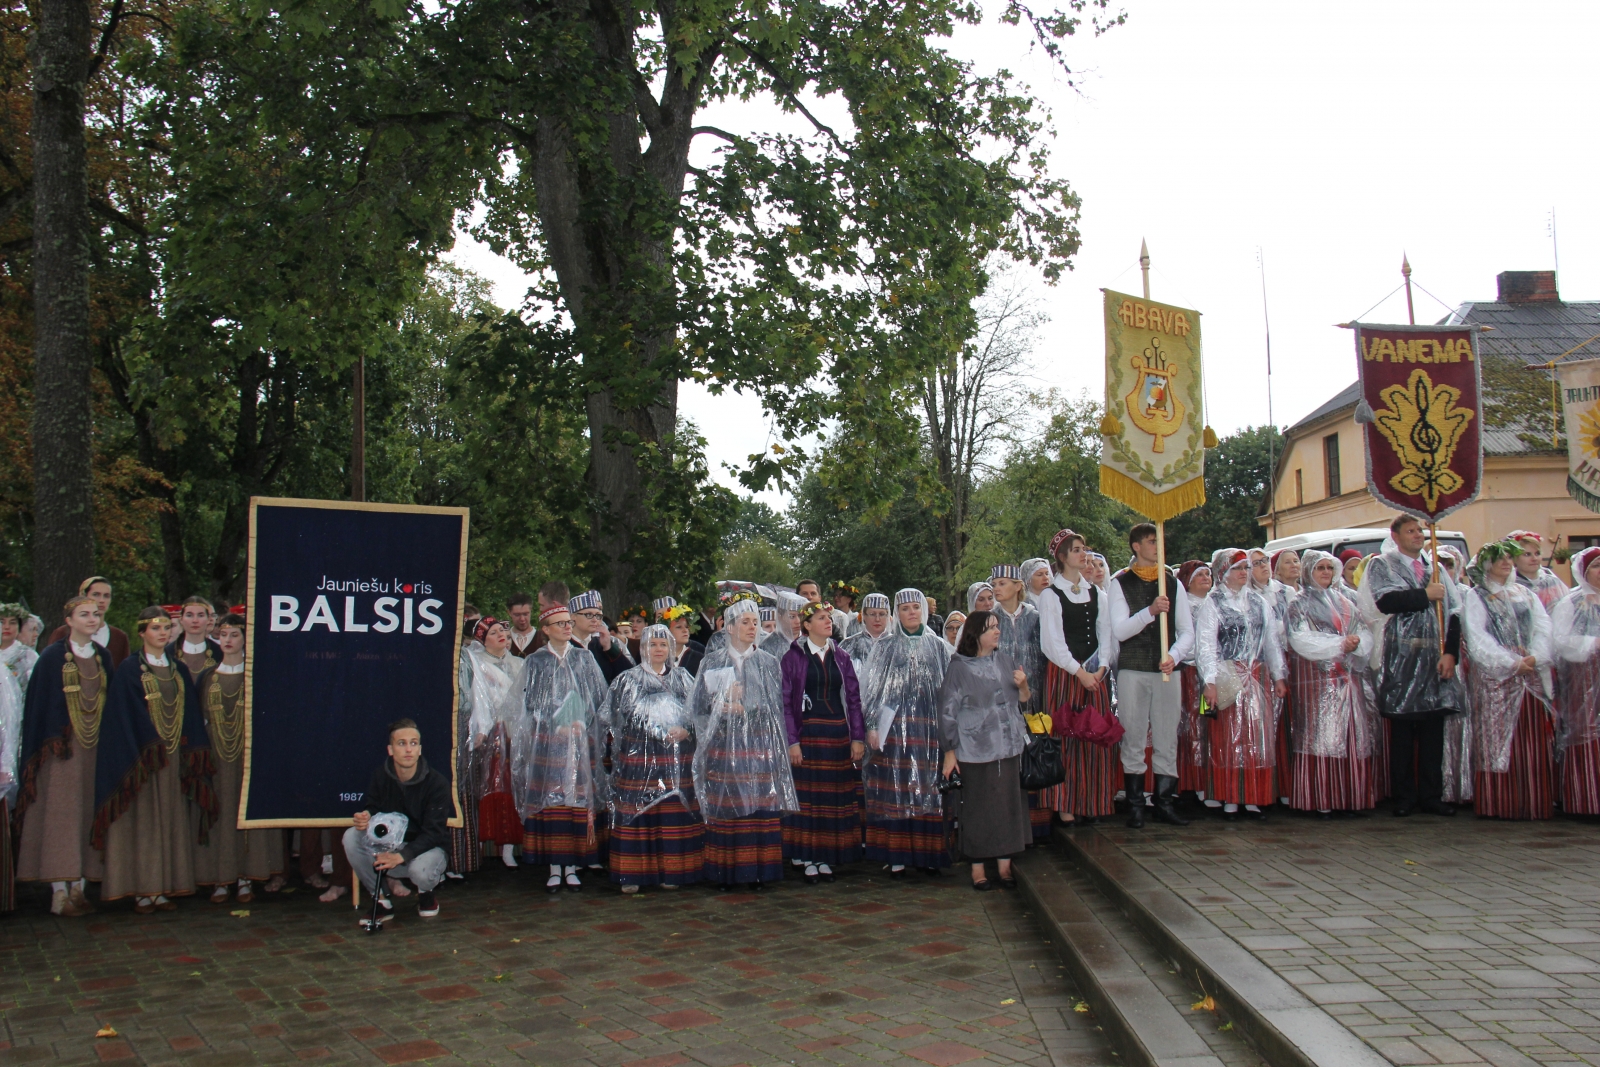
(1153, 456)
(1423, 421)
(1580, 403)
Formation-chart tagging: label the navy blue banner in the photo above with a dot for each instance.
(355, 619)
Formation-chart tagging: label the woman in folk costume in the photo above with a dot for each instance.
(1019, 639)
(1080, 652)
(1508, 640)
(1281, 591)
(1036, 575)
(952, 628)
(1531, 571)
(1194, 729)
(491, 709)
(980, 597)
(62, 715)
(1334, 716)
(556, 754)
(1575, 624)
(155, 758)
(827, 735)
(226, 855)
(17, 656)
(1457, 764)
(1242, 669)
(788, 629)
(10, 747)
(874, 621)
(741, 764)
(657, 837)
(905, 810)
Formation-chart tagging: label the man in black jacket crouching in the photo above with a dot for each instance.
(407, 785)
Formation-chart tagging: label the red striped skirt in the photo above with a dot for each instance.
(1194, 747)
(918, 841)
(1580, 779)
(1527, 788)
(561, 835)
(663, 846)
(1283, 768)
(497, 819)
(827, 828)
(1094, 772)
(746, 849)
(1324, 783)
(1252, 780)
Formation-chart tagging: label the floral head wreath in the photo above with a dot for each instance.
(637, 611)
(677, 611)
(1490, 554)
(812, 609)
(846, 589)
(14, 611)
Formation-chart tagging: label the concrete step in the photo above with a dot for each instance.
(1285, 1027)
(1139, 999)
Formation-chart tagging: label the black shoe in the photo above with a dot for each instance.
(1325, 816)
(724, 888)
(1086, 820)
(1402, 810)
(1230, 816)
(1008, 883)
(933, 872)
(1166, 802)
(1260, 814)
(983, 886)
(830, 876)
(427, 905)
(1437, 807)
(901, 873)
(756, 887)
(1133, 785)
(813, 879)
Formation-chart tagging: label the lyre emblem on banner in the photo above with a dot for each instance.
(1423, 425)
(1153, 404)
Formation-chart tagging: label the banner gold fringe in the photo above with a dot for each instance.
(1157, 507)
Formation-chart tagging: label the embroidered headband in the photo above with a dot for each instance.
(584, 601)
(551, 612)
(1059, 539)
(908, 596)
(485, 624)
(1005, 570)
(663, 604)
(875, 600)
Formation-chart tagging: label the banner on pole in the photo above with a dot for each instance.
(355, 621)
(1153, 455)
(1580, 404)
(1422, 416)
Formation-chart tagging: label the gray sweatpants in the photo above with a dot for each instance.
(425, 871)
(1146, 704)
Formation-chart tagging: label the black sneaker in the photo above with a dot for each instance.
(427, 906)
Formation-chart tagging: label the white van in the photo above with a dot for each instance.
(1364, 539)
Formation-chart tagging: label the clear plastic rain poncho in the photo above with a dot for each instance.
(1237, 651)
(974, 591)
(490, 688)
(858, 646)
(1504, 624)
(788, 631)
(1019, 639)
(741, 759)
(1030, 569)
(562, 735)
(652, 748)
(1409, 682)
(900, 700)
(10, 734)
(1575, 628)
(1333, 713)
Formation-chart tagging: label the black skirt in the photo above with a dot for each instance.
(994, 810)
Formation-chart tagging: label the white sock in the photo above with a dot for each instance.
(898, 867)
(1200, 794)
(1230, 807)
(161, 898)
(823, 868)
(82, 884)
(58, 887)
(1213, 803)
(144, 900)
(505, 854)
(1252, 807)
(572, 870)
(1324, 811)
(555, 869)
(244, 883)
(798, 863)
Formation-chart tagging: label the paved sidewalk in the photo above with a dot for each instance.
(866, 970)
(1436, 940)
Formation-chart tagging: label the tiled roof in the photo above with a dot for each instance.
(1534, 332)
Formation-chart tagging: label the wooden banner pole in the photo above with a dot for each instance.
(1161, 587)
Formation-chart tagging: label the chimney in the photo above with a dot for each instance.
(1528, 287)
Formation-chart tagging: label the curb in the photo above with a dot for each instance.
(1287, 1028)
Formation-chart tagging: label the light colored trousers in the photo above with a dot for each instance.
(425, 871)
(1146, 704)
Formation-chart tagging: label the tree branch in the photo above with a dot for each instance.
(789, 92)
(714, 131)
(113, 20)
(110, 213)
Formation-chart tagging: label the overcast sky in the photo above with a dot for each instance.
(1331, 137)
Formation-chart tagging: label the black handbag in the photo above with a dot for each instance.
(1041, 762)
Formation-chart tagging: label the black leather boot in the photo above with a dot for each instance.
(1133, 785)
(1166, 801)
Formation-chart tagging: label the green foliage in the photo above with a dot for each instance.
(758, 560)
(1238, 473)
(896, 551)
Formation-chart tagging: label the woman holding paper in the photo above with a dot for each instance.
(905, 811)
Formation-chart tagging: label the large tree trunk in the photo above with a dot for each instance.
(63, 539)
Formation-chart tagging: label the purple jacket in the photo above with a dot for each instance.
(794, 690)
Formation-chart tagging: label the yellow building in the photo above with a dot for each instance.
(1320, 480)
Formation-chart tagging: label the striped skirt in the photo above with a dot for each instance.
(1527, 788)
(748, 849)
(920, 841)
(1580, 779)
(1323, 783)
(1039, 815)
(1283, 768)
(1094, 772)
(1252, 780)
(827, 828)
(664, 846)
(1194, 755)
(566, 836)
(466, 855)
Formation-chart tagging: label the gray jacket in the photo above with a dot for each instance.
(978, 712)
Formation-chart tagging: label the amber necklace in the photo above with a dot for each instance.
(166, 715)
(227, 727)
(85, 721)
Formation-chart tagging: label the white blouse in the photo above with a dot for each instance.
(1052, 638)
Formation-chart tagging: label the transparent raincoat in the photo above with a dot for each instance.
(1237, 651)
(560, 741)
(652, 748)
(1019, 639)
(900, 700)
(741, 759)
(973, 592)
(490, 688)
(1504, 623)
(1575, 625)
(10, 734)
(1546, 585)
(1334, 717)
(1408, 681)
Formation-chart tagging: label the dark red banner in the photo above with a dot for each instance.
(1422, 416)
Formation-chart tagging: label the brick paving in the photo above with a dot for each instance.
(1449, 941)
(917, 972)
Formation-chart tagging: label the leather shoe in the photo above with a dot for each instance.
(983, 886)
(1437, 807)
(79, 901)
(1401, 811)
(1008, 883)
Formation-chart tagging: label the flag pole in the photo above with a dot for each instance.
(1433, 528)
(1161, 527)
